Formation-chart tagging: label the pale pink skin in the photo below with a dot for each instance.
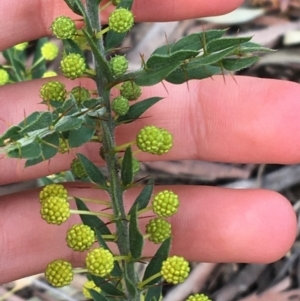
(240, 120)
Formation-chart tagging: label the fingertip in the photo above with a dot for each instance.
(225, 225)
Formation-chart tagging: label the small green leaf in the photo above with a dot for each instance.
(113, 39)
(190, 42)
(155, 264)
(97, 296)
(136, 239)
(27, 151)
(143, 198)
(92, 170)
(194, 41)
(175, 58)
(71, 47)
(18, 67)
(12, 134)
(153, 293)
(106, 286)
(154, 76)
(38, 63)
(82, 135)
(73, 4)
(239, 63)
(137, 109)
(125, 4)
(49, 147)
(223, 43)
(250, 47)
(35, 121)
(68, 123)
(188, 72)
(132, 289)
(210, 58)
(126, 168)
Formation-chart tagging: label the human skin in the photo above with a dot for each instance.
(245, 120)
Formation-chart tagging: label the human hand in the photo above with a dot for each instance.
(241, 120)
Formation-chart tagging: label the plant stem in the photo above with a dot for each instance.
(108, 141)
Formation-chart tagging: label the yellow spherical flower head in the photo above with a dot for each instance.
(90, 285)
(49, 51)
(4, 77)
(49, 73)
(21, 46)
(53, 190)
(158, 230)
(175, 269)
(80, 237)
(154, 140)
(198, 297)
(99, 262)
(59, 273)
(55, 210)
(165, 203)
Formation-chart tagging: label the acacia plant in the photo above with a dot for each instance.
(74, 118)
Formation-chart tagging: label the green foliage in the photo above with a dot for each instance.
(126, 169)
(136, 239)
(92, 171)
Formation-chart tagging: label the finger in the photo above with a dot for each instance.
(217, 225)
(29, 20)
(245, 120)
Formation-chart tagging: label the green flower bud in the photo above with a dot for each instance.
(175, 269)
(78, 169)
(120, 105)
(198, 297)
(119, 65)
(158, 230)
(53, 90)
(56, 190)
(80, 237)
(73, 65)
(154, 140)
(59, 273)
(63, 27)
(99, 262)
(55, 210)
(165, 203)
(131, 90)
(80, 94)
(121, 20)
(63, 146)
